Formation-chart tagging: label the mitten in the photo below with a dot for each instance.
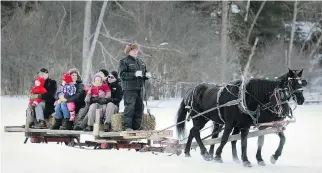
(138, 73)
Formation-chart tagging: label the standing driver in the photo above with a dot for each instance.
(133, 74)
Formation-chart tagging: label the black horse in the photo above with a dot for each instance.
(268, 115)
(257, 95)
(264, 114)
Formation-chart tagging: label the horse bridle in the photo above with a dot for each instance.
(282, 96)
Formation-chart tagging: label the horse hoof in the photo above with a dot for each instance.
(207, 157)
(261, 163)
(187, 155)
(247, 164)
(273, 160)
(236, 160)
(218, 159)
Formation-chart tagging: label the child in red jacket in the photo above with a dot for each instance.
(98, 88)
(37, 89)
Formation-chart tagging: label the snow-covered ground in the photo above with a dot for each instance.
(302, 151)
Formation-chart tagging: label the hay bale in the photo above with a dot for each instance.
(148, 122)
(50, 121)
(101, 127)
(117, 122)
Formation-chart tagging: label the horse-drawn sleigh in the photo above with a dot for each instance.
(236, 106)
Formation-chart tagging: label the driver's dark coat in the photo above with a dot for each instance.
(128, 66)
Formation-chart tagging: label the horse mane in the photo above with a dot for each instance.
(260, 89)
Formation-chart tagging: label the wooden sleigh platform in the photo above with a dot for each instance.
(101, 139)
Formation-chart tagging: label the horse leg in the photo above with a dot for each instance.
(260, 143)
(215, 133)
(196, 133)
(244, 133)
(278, 152)
(188, 145)
(233, 145)
(224, 139)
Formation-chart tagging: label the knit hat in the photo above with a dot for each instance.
(43, 70)
(98, 75)
(114, 73)
(130, 47)
(67, 78)
(105, 72)
(95, 76)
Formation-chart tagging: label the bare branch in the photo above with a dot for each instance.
(141, 45)
(61, 23)
(112, 57)
(254, 21)
(250, 58)
(317, 22)
(128, 12)
(247, 9)
(316, 46)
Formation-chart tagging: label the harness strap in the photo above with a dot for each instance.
(242, 105)
(218, 96)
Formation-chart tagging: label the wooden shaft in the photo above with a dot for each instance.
(235, 137)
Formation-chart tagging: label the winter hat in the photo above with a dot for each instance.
(105, 72)
(95, 76)
(75, 70)
(98, 75)
(114, 73)
(130, 47)
(41, 81)
(67, 78)
(43, 70)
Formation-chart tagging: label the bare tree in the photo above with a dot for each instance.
(292, 34)
(223, 36)
(92, 49)
(86, 39)
(254, 21)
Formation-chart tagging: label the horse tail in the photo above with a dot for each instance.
(181, 116)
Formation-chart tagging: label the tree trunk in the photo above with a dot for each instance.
(86, 39)
(223, 48)
(92, 48)
(292, 35)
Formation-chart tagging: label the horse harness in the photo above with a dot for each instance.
(281, 96)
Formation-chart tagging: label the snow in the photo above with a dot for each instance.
(302, 151)
(304, 29)
(234, 8)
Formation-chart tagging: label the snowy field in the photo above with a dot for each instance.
(302, 151)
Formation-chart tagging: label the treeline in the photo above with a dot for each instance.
(180, 41)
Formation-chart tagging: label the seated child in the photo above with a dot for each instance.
(64, 111)
(35, 91)
(100, 89)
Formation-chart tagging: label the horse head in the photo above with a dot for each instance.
(292, 84)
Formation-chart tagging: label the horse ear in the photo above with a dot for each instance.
(299, 74)
(290, 72)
